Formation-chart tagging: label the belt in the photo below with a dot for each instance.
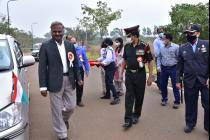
(66, 74)
(168, 67)
(134, 70)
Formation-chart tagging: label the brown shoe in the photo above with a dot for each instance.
(80, 104)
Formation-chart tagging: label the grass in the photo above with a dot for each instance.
(92, 55)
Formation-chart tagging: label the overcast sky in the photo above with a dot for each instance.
(145, 13)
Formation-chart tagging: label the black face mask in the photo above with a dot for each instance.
(191, 38)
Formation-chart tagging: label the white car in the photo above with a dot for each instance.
(35, 51)
(14, 122)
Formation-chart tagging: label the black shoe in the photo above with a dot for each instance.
(207, 130)
(163, 103)
(67, 124)
(106, 97)
(188, 129)
(64, 139)
(127, 124)
(80, 104)
(115, 101)
(135, 120)
(176, 106)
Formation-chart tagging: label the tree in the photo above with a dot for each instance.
(47, 35)
(24, 38)
(98, 19)
(116, 33)
(183, 15)
(155, 30)
(4, 27)
(149, 32)
(144, 31)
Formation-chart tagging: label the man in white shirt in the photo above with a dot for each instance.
(58, 71)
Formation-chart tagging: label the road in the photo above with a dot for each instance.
(100, 121)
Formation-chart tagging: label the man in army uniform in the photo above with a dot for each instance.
(136, 55)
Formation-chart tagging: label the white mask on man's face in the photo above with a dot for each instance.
(75, 45)
(129, 40)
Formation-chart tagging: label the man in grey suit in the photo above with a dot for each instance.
(58, 74)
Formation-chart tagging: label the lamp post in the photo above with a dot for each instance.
(32, 34)
(8, 14)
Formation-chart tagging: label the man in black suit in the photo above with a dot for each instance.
(58, 74)
(193, 63)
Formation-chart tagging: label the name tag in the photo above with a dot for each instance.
(203, 49)
(140, 52)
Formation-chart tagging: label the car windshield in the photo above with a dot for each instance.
(36, 46)
(5, 56)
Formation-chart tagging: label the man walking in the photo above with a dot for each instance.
(84, 69)
(58, 71)
(157, 45)
(136, 55)
(193, 63)
(166, 64)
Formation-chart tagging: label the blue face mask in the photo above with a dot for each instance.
(161, 35)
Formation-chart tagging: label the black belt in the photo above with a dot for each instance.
(168, 67)
(66, 74)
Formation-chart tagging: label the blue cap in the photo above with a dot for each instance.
(194, 28)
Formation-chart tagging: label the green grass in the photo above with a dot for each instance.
(92, 55)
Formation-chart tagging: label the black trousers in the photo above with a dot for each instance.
(135, 89)
(109, 78)
(79, 89)
(158, 81)
(191, 104)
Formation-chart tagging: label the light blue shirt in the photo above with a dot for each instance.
(194, 46)
(108, 56)
(168, 56)
(157, 45)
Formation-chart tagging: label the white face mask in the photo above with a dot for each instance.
(128, 40)
(75, 45)
(117, 44)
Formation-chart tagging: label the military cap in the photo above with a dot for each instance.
(193, 28)
(132, 30)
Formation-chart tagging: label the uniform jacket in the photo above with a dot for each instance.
(194, 66)
(51, 67)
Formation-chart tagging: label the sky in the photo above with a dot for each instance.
(39, 14)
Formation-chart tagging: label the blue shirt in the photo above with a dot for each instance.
(168, 56)
(194, 46)
(107, 56)
(157, 45)
(82, 57)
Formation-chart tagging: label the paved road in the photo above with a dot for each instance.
(100, 121)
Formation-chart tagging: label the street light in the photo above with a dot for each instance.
(8, 14)
(32, 34)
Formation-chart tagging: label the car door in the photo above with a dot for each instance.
(21, 71)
